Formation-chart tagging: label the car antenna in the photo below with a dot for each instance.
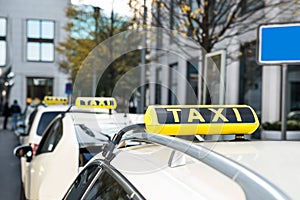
(68, 110)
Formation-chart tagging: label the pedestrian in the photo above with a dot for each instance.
(6, 114)
(15, 110)
(1, 106)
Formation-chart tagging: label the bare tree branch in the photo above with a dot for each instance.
(203, 20)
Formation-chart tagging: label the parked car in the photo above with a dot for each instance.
(26, 120)
(72, 138)
(167, 158)
(25, 131)
(37, 118)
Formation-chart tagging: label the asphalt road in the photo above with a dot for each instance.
(10, 180)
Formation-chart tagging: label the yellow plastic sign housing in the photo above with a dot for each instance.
(96, 102)
(52, 100)
(201, 119)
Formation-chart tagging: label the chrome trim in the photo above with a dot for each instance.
(92, 183)
(253, 184)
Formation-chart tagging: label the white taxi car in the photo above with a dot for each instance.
(37, 121)
(26, 120)
(147, 161)
(37, 116)
(42, 116)
(71, 139)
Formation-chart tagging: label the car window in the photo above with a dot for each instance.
(30, 121)
(106, 187)
(51, 138)
(45, 120)
(88, 152)
(82, 182)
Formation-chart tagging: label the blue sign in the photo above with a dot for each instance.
(69, 88)
(279, 44)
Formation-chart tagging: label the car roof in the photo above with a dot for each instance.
(147, 167)
(53, 108)
(145, 163)
(96, 120)
(277, 161)
(162, 166)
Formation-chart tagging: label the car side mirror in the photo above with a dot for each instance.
(22, 126)
(24, 151)
(21, 132)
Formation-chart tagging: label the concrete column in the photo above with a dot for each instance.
(182, 82)
(271, 87)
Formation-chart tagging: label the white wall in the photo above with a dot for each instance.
(17, 12)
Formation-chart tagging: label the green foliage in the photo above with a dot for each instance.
(290, 125)
(116, 69)
(88, 27)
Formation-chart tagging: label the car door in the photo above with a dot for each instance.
(55, 161)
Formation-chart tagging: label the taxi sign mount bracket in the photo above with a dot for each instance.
(110, 146)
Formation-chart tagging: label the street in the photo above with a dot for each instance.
(10, 165)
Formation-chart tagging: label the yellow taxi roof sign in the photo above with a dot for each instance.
(201, 119)
(53, 100)
(96, 102)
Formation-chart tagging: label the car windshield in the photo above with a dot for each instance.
(90, 140)
(87, 136)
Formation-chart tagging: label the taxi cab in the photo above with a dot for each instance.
(26, 119)
(167, 157)
(72, 138)
(36, 121)
(38, 116)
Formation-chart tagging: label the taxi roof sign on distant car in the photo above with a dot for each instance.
(201, 119)
(53, 100)
(96, 102)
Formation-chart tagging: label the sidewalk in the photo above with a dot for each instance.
(9, 164)
(8, 125)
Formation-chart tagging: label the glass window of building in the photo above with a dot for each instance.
(158, 86)
(251, 5)
(293, 98)
(39, 87)
(173, 81)
(40, 40)
(250, 91)
(192, 78)
(3, 25)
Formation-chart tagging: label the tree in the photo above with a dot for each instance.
(211, 22)
(88, 27)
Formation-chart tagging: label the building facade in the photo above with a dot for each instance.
(29, 32)
(243, 80)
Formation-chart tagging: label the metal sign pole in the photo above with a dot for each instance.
(283, 101)
(143, 60)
